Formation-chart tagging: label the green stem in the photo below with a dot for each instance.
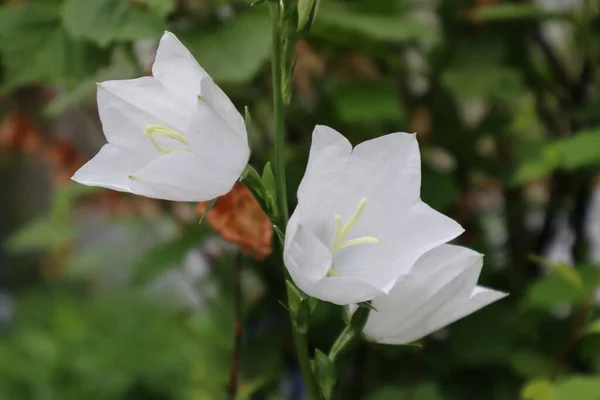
(350, 334)
(281, 188)
(279, 115)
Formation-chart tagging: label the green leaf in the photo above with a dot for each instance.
(514, 12)
(580, 150)
(268, 179)
(36, 48)
(280, 234)
(569, 274)
(553, 290)
(108, 21)
(579, 388)
(593, 327)
(530, 364)
(304, 10)
(324, 372)
(166, 255)
(538, 389)
(571, 153)
(43, 234)
(336, 20)
(160, 7)
(297, 307)
(424, 391)
(565, 271)
(482, 80)
(208, 207)
(233, 53)
(119, 69)
(369, 103)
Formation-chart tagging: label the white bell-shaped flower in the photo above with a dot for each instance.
(360, 223)
(440, 289)
(174, 136)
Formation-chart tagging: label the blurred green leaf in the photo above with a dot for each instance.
(160, 7)
(482, 81)
(43, 234)
(169, 254)
(578, 387)
(425, 391)
(552, 290)
(324, 372)
(369, 103)
(36, 48)
(592, 328)
(304, 9)
(530, 364)
(571, 153)
(503, 12)
(438, 189)
(235, 52)
(335, 19)
(108, 21)
(538, 389)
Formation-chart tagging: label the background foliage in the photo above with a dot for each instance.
(107, 296)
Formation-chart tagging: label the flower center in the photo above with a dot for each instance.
(342, 230)
(156, 131)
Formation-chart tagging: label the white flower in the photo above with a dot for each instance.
(360, 223)
(440, 289)
(174, 136)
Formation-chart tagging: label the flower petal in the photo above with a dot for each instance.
(391, 167)
(420, 288)
(306, 257)
(176, 68)
(400, 245)
(181, 176)
(326, 168)
(480, 297)
(215, 142)
(344, 290)
(110, 168)
(439, 290)
(126, 107)
(222, 106)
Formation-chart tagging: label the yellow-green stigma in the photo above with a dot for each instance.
(342, 230)
(152, 131)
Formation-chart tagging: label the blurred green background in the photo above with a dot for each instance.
(110, 296)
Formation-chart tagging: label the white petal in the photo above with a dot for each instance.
(181, 176)
(435, 312)
(110, 168)
(329, 152)
(391, 166)
(480, 298)
(222, 105)
(213, 140)
(401, 243)
(420, 290)
(176, 68)
(126, 107)
(308, 260)
(438, 291)
(306, 257)
(344, 290)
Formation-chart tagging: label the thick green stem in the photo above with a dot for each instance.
(281, 188)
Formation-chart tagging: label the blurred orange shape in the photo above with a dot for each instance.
(238, 218)
(18, 132)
